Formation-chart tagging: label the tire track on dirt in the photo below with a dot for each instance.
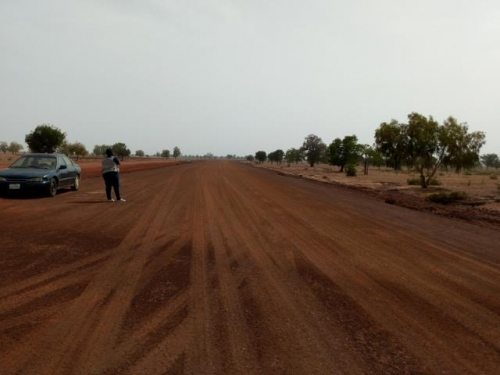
(215, 268)
(263, 233)
(344, 251)
(128, 259)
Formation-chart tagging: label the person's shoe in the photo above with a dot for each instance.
(111, 200)
(121, 200)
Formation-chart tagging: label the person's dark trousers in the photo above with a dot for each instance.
(112, 180)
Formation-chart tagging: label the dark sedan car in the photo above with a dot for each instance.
(40, 172)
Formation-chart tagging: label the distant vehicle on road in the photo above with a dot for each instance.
(45, 173)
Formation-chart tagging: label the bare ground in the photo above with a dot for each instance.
(219, 268)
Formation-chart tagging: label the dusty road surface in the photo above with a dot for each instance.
(221, 268)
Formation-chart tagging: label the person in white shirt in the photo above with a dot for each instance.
(110, 173)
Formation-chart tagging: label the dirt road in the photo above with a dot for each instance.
(221, 268)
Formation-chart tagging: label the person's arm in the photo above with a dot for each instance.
(117, 162)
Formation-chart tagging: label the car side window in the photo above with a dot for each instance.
(68, 161)
(61, 160)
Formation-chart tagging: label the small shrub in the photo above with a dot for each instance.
(350, 170)
(413, 181)
(447, 198)
(494, 177)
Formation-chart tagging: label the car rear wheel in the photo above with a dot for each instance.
(53, 187)
(76, 185)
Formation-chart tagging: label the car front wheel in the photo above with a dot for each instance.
(53, 187)
(76, 184)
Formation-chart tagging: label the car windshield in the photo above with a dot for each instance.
(35, 161)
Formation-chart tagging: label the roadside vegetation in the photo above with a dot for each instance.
(418, 152)
(421, 145)
(47, 138)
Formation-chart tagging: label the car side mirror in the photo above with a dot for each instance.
(63, 167)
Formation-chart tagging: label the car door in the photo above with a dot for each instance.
(63, 172)
(72, 172)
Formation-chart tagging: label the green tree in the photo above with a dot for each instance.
(490, 160)
(343, 152)
(249, 158)
(78, 149)
(314, 149)
(271, 157)
(4, 146)
(261, 156)
(73, 149)
(165, 154)
(390, 141)
(139, 153)
(177, 152)
(100, 149)
(423, 144)
(430, 144)
(293, 155)
(370, 156)
(461, 147)
(121, 150)
(45, 138)
(15, 147)
(276, 156)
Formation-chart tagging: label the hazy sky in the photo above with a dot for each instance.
(235, 77)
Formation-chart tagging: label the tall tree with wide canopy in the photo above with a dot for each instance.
(426, 146)
(261, 156)
(45, 138)
(100, 149)
(121, 150)
(293, 155)
(462, 147)
(276, 156)
(344, 152)
(78, 149)
(314, 149)
(390, 141)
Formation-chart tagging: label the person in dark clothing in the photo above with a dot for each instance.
(111, 175)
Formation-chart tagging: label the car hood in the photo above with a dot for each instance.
(25, 172)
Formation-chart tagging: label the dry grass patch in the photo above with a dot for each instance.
(478, 186)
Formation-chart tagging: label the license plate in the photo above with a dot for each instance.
(14, 186)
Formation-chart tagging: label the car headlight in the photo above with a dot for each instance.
(35, 179)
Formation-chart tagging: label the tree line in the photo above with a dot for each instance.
(421, 144)
(47, 138)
